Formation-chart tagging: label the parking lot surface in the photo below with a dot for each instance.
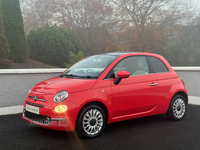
(149, 133)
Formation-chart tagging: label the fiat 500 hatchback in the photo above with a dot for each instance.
(107, 88)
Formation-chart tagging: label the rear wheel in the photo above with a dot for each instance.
(91, 121)
(177, 108)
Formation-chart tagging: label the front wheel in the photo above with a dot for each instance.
(177, 108)
(91, 121)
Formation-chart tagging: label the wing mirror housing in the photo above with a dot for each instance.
(120, 76)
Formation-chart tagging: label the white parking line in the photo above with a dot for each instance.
(18, 109)
(39, 70)
(11, 110)
(194, 100)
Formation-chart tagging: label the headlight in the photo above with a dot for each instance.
(61, 96)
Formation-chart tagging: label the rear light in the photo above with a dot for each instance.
(182, 81)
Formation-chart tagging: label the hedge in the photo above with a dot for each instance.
(51, 45)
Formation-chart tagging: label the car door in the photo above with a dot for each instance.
(165, 77)
(137, 94)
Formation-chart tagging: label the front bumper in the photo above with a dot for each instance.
(46, 117)
(47, 122)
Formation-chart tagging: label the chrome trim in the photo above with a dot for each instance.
(131, 76)
(108, 79)
(58, 119)
(92, 122)
(34, 104)
(141, 75)
(179, 108)
(154, 84)
(35, 98)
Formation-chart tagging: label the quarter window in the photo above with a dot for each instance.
(157, 65)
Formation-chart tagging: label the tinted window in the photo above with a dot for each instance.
(136, 65)
(158, 65)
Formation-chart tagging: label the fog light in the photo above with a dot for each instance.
(60, 109)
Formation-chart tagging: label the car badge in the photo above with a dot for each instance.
(35, 98)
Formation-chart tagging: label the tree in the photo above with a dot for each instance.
(144, 23)
(14, 30)
(89, 19)
(182, 46)
(37, 13)
(4, 48)
(116, 25)
(52, 45)
(94, 39)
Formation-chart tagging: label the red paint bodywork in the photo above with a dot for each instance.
(123, 74)
(133, 97)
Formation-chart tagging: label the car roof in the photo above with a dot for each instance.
(127, 53)
(119, 53)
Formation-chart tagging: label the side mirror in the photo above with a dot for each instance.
(120, 76)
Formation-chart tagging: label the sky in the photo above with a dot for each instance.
(196, 3)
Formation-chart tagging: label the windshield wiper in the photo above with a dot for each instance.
(69, 75)
(89, 77)
(76, 76)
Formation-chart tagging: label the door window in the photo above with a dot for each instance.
(136, 65)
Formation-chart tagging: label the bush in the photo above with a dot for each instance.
(4, 49)
(14, 30)
(74, 58)
(52, 45)
(5, 63)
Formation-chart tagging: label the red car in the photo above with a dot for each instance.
(107, 88)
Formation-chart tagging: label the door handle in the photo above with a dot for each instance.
(153, 84)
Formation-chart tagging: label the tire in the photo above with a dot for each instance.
(91, 121)
(177, 108)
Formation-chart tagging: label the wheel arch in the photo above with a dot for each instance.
(181, 93)
(100, 104)
(170, 112)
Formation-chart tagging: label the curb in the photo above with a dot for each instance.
(186, 68)
(60, 70)
(18, 109)
(194, 100)
(40, 70)
(11, 110)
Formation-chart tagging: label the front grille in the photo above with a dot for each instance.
(37, 118)
(35, 98)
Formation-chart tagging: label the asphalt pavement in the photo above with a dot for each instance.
(149, 133)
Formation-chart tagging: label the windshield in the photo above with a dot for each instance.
(90, 67)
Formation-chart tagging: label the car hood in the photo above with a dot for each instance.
(56, 84)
